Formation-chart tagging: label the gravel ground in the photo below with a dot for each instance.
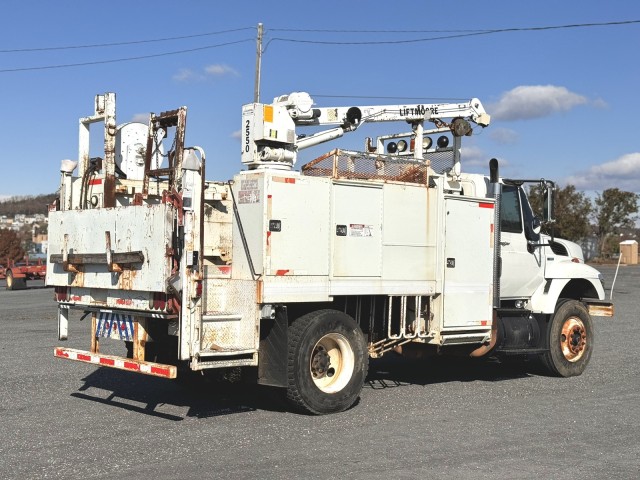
(415, 419)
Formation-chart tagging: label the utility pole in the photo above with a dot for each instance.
(256, 88)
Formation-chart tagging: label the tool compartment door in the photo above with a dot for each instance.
(141, 228)
(468, 269)
(357, 230)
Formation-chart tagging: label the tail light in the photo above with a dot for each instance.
(61, 294)
(159, 300)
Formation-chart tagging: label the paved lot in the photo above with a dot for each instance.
(426, 419)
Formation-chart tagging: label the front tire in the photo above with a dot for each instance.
(570, 336)
(327, 362)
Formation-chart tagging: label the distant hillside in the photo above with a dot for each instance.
(26, 204)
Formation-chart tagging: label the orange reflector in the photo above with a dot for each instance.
(268, 113)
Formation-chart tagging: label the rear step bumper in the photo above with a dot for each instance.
(112, 361)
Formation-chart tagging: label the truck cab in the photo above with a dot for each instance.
(547, 293)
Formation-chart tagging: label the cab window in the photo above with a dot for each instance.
(510, 217)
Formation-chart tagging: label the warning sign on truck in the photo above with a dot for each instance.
(360, 230)
(249, 192)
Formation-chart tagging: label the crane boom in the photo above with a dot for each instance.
(271, 140)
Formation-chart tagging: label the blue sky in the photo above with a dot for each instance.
(563, 101)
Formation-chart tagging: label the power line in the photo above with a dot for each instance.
(368, 31)
(455, 34)
(115, 44)
(220, 32)
(98, 62)
(445, 37)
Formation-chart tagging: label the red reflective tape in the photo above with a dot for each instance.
(269, 196)
(95, 181)
(268, 237)
(160, 371)
(485, 205)
(280, 273)
(83, 358)
(132, 366)
(61, 353)
(284, 180)
(484, 323)
(107, 361)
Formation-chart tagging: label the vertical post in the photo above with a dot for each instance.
(95, 343)
(65, 191)
(109, 162)
(63, 322)
(83, 146)
(140, 337)
(418, 130)
(497, 260)
(256, 88)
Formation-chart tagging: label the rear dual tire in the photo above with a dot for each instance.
(327, 362)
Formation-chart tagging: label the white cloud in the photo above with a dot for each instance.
(473, 156)
(140, 117)
(237, 134)
(600, 103)
(535, 101)
(220, 70)
(504, 136)
(623, 173)
(187, 75)
(208, 72)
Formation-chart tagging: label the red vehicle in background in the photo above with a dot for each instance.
(17, 273)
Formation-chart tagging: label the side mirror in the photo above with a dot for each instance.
(548, 188)
(532, 229)
(536, 225)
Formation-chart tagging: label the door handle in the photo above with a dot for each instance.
(505, 243)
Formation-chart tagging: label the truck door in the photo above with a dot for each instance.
(522, 270)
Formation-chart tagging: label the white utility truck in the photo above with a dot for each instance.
(301, 276)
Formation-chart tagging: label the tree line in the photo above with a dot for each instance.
(611, 213)
(12, 243)
(28, 205)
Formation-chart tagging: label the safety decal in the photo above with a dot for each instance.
(115, 325)
(249, 192)
(360, 230)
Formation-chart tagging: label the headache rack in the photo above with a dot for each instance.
(352, 165)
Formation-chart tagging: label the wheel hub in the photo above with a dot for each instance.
(332, 363)
(320, 362)
(573, 339)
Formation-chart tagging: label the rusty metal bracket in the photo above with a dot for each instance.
(174, 198)
(77, 260)
(111, 265)
(599, 308)
(67, 266)
(137, 199)
(165, 120)
(115, 261)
